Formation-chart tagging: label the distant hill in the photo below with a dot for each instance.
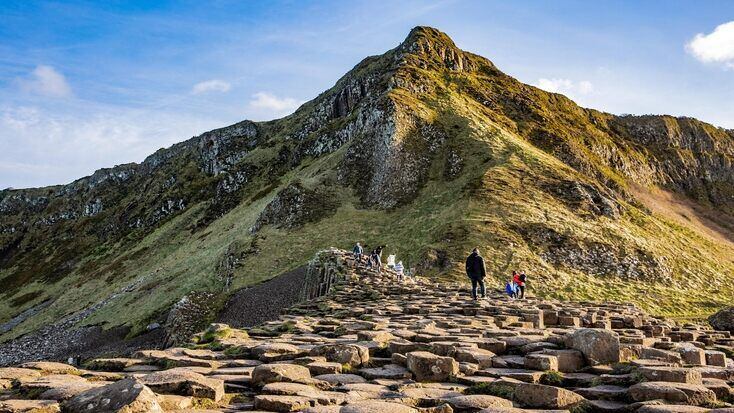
(428, 149)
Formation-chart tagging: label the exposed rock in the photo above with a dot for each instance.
(682, 393)
(184, 382)
(723, 319)
(427, 366)
(129, 395)
(547, 397)
(296, 205)
(598, 346)
(272, 373)
(189, 315)
(351, 354)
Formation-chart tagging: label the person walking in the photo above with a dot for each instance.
(376, 259)
(521, 278)
(399, 270)
(357, 251)
(476, 272)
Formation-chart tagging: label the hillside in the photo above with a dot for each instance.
(427, 148)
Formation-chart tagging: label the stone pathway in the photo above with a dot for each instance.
(374, 344)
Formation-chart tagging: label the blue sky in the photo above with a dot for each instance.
(85, 85)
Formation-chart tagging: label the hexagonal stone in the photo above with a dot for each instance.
(341, 378)
(388, 371)
(598, 346)
(546, 397)
(542, 362)
(671, 374)
(476, 402)
(374, 406)
(352, 354)
(569, 361)
(603, 392)
(324, 367)
(271, 373)
(184, 382)
(51, 367)
(279, 403)
(678, 393)
(427, 366)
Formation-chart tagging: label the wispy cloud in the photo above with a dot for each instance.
(213, 85)
(41, 146)
(715, 47)
(47, 81)
(268, 106)
(565, 86)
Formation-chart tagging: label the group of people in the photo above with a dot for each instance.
(476, 272)
(374, 259)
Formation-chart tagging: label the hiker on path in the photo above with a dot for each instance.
(521, 278)
(376, 260)
(399, 270)
(516, 282)
(476, 272)
(358, 253)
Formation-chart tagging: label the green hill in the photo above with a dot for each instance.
(427, 148)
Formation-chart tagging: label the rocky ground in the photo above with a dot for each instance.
(376, 344)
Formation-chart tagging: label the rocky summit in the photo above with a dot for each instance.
(375, 342)
(428, 149)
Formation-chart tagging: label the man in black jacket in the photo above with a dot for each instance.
(476, 272)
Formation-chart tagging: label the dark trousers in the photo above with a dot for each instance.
(474, 283)
(520, 291)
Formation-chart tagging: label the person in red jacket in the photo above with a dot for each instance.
(519, 280)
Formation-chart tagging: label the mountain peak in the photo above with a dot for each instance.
(430, 48)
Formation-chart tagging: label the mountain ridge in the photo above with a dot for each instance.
(426, 146)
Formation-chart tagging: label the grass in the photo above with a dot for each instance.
(552, 378)
(500, 390)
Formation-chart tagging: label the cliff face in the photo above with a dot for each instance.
(428, 148)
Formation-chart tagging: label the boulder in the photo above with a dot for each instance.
(271, 373)
(351, 354)
(671, 374)
(281, 403)
(427, 366)
(599, 346)
(723, 320)
(476, 402)
(128, 395)
(677, 393)
(545, 397)
(184, 382)
(569, 361)
(542, 362)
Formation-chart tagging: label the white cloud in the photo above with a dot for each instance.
(46, 81)
(715, 47)
(213, 85)
(565, 86)
(267, 105)
(41, 146)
